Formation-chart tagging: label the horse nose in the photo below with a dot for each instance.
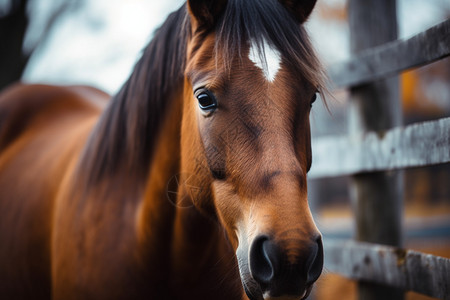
(272, 270)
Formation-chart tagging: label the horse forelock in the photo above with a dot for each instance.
(271, 33)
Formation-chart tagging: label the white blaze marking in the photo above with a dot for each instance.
(269, 61)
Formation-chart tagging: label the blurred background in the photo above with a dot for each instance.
(98, 42)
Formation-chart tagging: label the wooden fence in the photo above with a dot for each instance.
(374, 147)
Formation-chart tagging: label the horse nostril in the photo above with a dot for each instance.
(279, 275)
(262, 262)
(315, 262)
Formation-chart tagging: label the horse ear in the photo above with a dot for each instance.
(301, 9)
(206, 12)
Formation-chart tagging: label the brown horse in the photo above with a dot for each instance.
(189, 184)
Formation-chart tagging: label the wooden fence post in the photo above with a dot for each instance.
(377, 197)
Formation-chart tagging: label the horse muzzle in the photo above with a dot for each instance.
(274, 272)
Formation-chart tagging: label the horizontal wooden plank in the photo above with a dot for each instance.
(415, 145)
(391, 58)
(405, 269)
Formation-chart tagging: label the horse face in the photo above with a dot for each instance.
(252, 119)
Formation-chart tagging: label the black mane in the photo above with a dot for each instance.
(126, 132)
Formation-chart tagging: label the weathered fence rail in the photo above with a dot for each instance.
(416, 145)
(405, 269)
(378, 143)
(390, 58)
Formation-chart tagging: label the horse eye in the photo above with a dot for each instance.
(206, 101)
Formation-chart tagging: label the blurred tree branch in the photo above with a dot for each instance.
(13, 28)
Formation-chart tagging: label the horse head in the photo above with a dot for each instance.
(250, 80)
